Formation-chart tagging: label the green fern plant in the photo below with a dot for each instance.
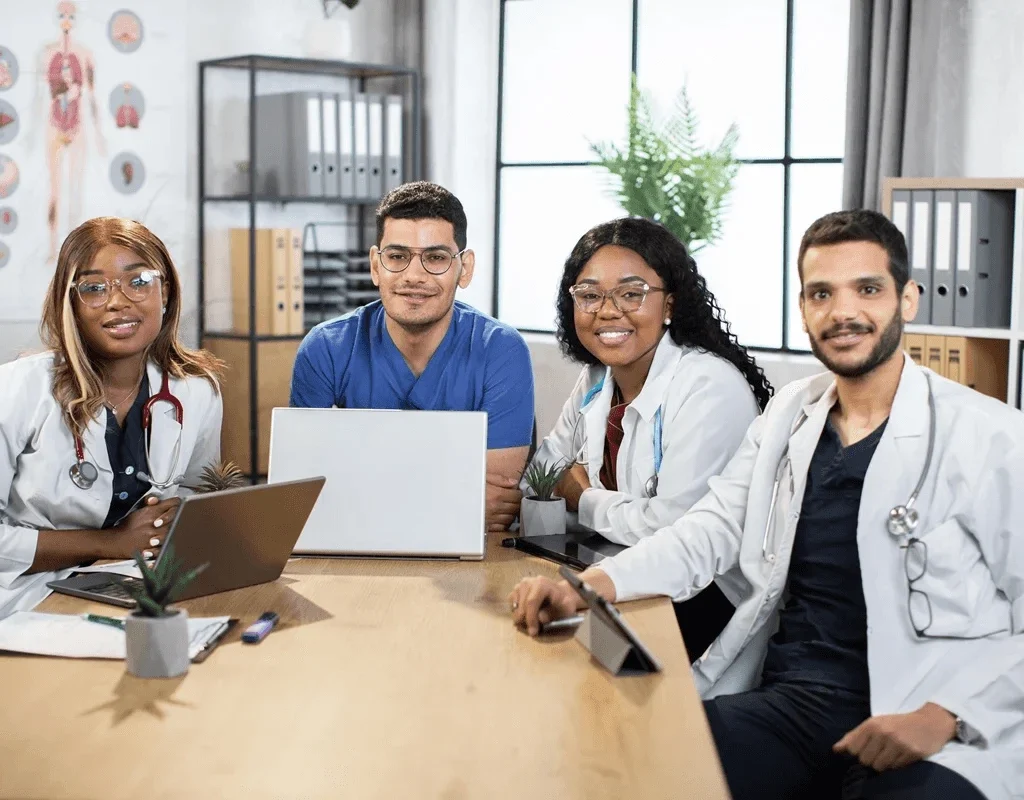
(160, 584)
(542, 479)
(662, 172)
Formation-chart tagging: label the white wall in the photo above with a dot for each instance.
(176, 37)
(994, 84)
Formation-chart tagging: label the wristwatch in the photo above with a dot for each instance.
(964, 732)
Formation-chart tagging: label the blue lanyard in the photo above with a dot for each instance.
(595, 390)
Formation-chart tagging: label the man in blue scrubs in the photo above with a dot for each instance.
(419, 348)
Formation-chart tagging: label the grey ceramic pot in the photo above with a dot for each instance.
(542, 517)
(157, 647)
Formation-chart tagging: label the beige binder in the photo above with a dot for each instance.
(914, 345)
(935, 353)
(280, 277)
(981, 364)
(296, 303)
(239, 239)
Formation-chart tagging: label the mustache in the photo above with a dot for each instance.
(841, 330)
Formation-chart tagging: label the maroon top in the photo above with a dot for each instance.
(612, 442)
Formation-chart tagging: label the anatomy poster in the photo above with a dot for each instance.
(93, 104)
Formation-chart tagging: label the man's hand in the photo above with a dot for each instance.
(503, 497)
(573, 484)
(538, 601)
(891, 741)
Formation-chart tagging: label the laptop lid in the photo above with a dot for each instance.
(246, 535)
(399, 483)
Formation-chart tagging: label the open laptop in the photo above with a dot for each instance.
(246, 536)
(399, 483)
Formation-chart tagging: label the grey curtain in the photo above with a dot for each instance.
(905, 93)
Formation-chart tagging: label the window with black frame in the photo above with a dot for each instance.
(775, 68)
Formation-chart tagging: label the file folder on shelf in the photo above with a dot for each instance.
(935, 353)
(289, 152)
(239, 244)
(914, 345)
(296, 299)
(375, 128)
(362, 146)
(329, 104)
(394, 137)
(981, 364)
(279, 281)
(346, 146)
(984, 259)
(921, 251)
(944, 226)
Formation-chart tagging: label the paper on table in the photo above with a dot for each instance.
(73, 636)
(129, 568)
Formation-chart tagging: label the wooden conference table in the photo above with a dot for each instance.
(384, 679)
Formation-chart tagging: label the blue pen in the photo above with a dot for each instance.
(258, 631)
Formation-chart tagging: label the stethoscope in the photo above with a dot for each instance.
(902, 519)
(84, 473)
(651, 487)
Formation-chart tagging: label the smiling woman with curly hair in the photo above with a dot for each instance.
(666, 395)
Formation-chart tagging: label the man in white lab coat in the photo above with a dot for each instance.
(861, 638)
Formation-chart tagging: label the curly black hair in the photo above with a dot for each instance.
(697, 321)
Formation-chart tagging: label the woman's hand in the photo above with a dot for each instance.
(537, 601)
(142, 530)
(573, 484)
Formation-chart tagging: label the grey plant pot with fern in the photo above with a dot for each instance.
(542, 513)
(156, 636)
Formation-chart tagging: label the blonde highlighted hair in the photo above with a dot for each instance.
(77, 379)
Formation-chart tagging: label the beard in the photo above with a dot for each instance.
(888, 343)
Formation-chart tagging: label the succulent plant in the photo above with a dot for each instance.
(542, 479)
(161, 583)
(220, 476)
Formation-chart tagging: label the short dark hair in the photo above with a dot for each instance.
(422, 200)
(859, 225)
(697, 321)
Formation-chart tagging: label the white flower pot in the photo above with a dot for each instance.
(542, 517)
(156, 647)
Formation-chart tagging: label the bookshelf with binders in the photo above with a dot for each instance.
(965, 242)
(294, 156)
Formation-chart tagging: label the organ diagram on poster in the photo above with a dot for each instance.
(127, 106)
(8, 69)
(69, 70)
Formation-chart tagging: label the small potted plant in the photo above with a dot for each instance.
(218, 477)
(542, 513)
(156, 637)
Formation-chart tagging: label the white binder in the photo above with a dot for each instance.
(375, 110)
(942, 258)
(393, 136)
(346, 146)
(362, 147)
(329, 104)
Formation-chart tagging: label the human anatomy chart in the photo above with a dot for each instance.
(127, 106)
(69, 70)
(8, 69)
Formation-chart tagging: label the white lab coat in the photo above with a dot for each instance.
(706, 406)
(37, 449)
(972, 518)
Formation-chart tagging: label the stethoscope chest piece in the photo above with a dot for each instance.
(652, 485)
(83, 474)
(902, 521)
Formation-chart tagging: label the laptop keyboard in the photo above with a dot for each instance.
(114, 590)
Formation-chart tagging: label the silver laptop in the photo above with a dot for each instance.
(399, 483)
(245, 535)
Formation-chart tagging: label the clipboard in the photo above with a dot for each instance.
(607, 636)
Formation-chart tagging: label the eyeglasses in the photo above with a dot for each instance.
(435, 260)
(137, 286)
(628, 299)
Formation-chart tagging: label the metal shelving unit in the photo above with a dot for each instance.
(264, 372)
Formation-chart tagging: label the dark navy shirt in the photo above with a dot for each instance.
(822, 636)
(126, 450)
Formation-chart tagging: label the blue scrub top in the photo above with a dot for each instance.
(480, 365)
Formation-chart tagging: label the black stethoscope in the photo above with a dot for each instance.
(651, 487)
(84, 473)
(902, 519)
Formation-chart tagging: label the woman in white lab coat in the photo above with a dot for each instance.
(664, 400)
(98, 432)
